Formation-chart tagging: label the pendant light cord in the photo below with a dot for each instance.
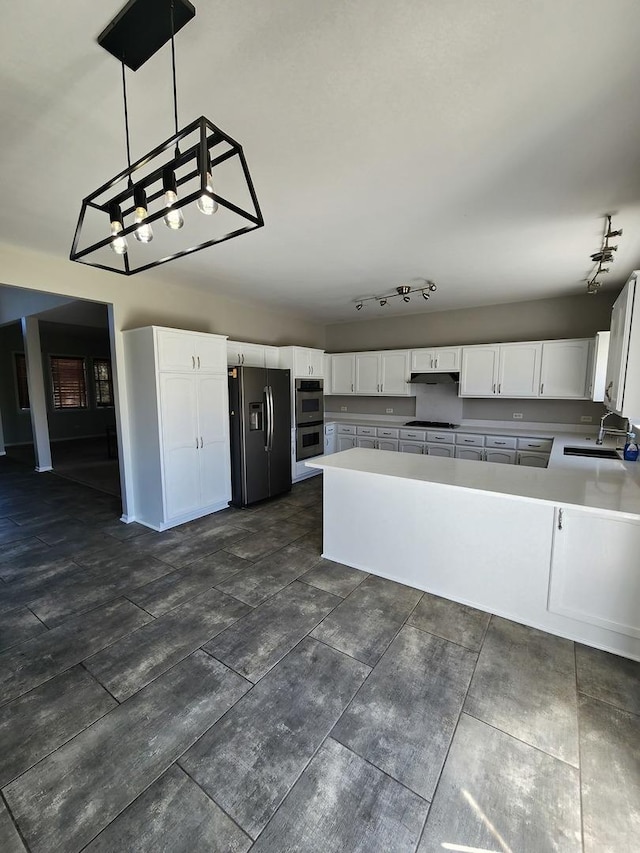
(126, 119)
(173, 69)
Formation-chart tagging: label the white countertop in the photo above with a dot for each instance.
(593, 484)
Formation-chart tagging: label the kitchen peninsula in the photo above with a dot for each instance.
(552, 548)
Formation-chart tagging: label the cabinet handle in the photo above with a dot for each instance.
(432, 362)
(352, 387)
(559, 519)
(193, 362)
(494, 387)
(196, 442)
(199, 362)
(607, 390)
(468, 440)
(437, 361)
(500, 442)
(201, 442)
(542, 388)
(499, 387)
(381, 388)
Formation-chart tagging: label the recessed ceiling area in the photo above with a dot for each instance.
(475, 144)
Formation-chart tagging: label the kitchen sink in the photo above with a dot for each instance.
(597, 452)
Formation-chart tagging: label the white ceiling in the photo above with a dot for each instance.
(474, 143)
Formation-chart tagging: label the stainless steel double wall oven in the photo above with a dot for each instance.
(309, 418)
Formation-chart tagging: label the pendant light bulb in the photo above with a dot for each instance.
(118, 244)
(173, 218)
(206, 203)
(144, 232)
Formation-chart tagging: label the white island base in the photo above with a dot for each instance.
(568, 569)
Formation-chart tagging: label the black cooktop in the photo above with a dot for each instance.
(434, 424)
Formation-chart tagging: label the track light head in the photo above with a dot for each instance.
(358, 306)
(383, 302)
(432, 286)
(610, 234)
(426, 294)
(406, 299)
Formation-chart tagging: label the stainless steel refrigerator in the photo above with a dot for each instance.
(260, 414)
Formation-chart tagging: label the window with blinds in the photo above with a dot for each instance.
(69, 382)
(102, 382)
(21, 380)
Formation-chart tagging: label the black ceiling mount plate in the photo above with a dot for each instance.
(142, 27)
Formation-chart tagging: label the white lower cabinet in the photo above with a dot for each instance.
(388, 444)
(475, 454)
(532, 459)
(180, 425)
(411, 447)
(330, 438)
(445, 450)
(346, 442)
(505, 457)
(368, 443)
(594, 570)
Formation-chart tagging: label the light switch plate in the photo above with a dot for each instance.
(389, 411)
(517, 416)
(343, 408)
(586, 419)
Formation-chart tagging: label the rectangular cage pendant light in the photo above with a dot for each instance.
(192, 191)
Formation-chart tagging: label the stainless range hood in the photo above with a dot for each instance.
(434, 378)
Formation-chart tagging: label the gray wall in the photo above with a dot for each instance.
(55, 339)
(567, 317)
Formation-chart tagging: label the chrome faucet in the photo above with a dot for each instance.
(604, 431)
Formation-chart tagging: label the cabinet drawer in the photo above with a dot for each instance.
(505, 442)
(329, 429)
(346, 429)
(387, 432)
(543, 445)
(441, 437)
(411, 447)
(413, 434)
(470, 440)
(364, 430)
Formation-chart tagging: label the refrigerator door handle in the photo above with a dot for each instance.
(267, 417)
(271, 418)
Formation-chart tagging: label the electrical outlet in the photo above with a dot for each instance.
(343, 408)
(586, 419)
(389, 411)
(517, 416)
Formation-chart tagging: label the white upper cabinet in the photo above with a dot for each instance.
(243, 354)
(440, 359)
(566, 369)
(519, 370)
(368, 373)
(272, 357)
(394, 373)
(303, 361)
(382, 373)
(622, 388)
(479, 371)
(182, 351)
(343, 373)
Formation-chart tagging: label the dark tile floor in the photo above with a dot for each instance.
(220, 687)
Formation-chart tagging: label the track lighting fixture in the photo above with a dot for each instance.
(603, 256)
(178, 174)
(418, 285)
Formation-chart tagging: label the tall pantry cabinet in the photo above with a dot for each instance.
(179, 410)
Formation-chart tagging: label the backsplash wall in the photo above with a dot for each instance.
(534, 411)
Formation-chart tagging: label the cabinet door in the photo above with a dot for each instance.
(176, 350)
(388, 444)
(504, 457)
(368, 373)
(446, 358)
(252, 355)
(328, 378)
(565, 369)
(479, 371)
(213, 426)
(210, 353)
(180, 443)
(369, 443)
(234, 353)
(394, 373)
(519, 370)
(618, 348)
(422, 360)
(301, 363)
(346, 442)
(532, 460)
(271, 357)
(593, 570)
(411, 447)
(343, 368)
(476, 454)
(315, 358)
(440, 450)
